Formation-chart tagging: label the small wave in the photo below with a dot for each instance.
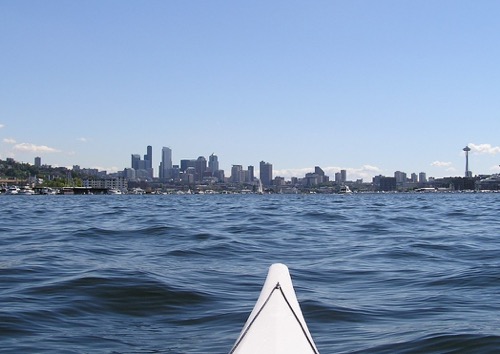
(443, 343)
(133, 296)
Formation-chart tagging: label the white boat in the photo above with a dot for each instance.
(345, 189)
(12, 190)
(26, 190)
(276, 324)
(114, 191)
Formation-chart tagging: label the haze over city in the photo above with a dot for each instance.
(369, 87)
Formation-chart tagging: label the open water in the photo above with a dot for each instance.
(374, 273)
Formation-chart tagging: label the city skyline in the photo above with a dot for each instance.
(367, 87)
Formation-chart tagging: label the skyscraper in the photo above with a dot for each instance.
(213, 164)
(343, 174)
(266, 173)
(200, 168)
(422, 177)
(251, 175)
(136, 162)
(148, 158)
(166, 163)
(237, 174)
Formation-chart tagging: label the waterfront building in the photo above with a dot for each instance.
(108, 183)
(414, 178)
(266, 173)
(387, 184)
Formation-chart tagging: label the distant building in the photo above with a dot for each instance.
(176, 172)
(422, 177)
(143, 171)
(129, 173)
(38, 161)
(237, 174)
(266, 173)
(251, 175)
(318, 171)
(400, 178)
(387, 184)
(279, 181)
(136, 162)
(343, 176)
(148, 158)
(213, 164)
(311, 179)
(165, 170)
(219, 174)
(200, 168)
(338, 178)
(187, 163)
(109, 183)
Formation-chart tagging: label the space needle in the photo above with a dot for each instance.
(467, 172)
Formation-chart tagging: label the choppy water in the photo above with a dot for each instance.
(179, 274)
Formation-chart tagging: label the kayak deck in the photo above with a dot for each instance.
(276, 324)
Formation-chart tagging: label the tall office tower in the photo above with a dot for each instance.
(266, 173)
(414, 178)
(251, 175)
(422, 177)
(166, 163)
(136, 161)
(148, 161)
(343, 175)
(200, 168)
(38, 161)
(400, 177)
(467, 172)
(338, 177)
(213, 164)
(148, 158)
(187, 163)
(237, 174)
(320, 173)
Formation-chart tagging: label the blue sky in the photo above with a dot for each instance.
(368, 86)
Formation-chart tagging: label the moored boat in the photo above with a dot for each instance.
(276, 324)
(12, 190)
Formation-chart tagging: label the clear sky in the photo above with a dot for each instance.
(368, 86)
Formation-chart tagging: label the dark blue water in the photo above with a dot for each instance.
(400, 273)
